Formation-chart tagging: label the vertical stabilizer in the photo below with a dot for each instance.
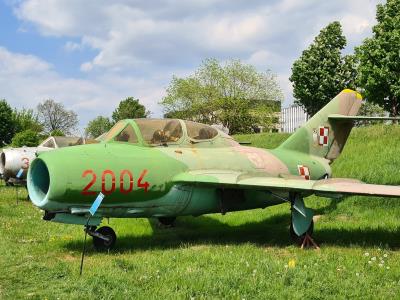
(323, 137)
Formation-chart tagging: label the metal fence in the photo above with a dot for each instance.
(292, 118)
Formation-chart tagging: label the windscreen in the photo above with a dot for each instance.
(49, 144)
(127, 135)
(63, 141)
(114, 130)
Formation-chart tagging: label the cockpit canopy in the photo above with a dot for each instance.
(65, 141)
(156, 132)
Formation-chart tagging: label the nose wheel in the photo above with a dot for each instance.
(104, 238)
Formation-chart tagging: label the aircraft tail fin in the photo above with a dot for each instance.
(323, 136)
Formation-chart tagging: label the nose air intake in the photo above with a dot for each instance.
(2, 162)
(39, 182)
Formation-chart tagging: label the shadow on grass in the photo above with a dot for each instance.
(205, 230)
(271, 232)
(368, 237)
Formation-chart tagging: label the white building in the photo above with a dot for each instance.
(292, 118)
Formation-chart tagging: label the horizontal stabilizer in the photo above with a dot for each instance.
(361, 118)
(333, 187)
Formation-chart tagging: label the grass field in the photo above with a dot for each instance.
(244, 255)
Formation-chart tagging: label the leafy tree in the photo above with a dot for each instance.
(98, 126)
(379, 63)
(322, 72)
(370, 109)
(129, 108)
(53, 115)
(29, 138)
(26, 119)
(57, 132)
(7, 123)
(235, 95)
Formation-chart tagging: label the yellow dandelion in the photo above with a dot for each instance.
(291, 263)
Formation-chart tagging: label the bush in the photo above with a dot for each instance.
(28, 138)
(57, 132)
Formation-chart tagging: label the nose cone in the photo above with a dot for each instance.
(54, 176)
(14, 159)
(38, 182)
(47, 178)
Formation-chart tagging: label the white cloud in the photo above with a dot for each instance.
(28, 80)
(259, 58)
(20, 64)
(71, 46)
(138, 45)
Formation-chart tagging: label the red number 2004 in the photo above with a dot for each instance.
(109, 188)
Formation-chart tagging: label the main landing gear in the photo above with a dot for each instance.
(299, 239)
(104, 238)
(302, 224)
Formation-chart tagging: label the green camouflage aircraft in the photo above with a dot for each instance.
(165, 168)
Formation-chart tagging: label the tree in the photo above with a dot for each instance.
(370, 109)
(7, 123)
(379, 63)
(129, 108)
(235, 95)
(26, 119)
(322, 72)
(53, 115)
(98, 126)
(57, 132)
(29, 138)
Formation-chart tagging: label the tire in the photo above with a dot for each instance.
(167, 221)
(102, 245)
(299, 239)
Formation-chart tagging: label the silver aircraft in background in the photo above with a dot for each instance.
(15, 162)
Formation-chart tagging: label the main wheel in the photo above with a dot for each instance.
(101, 244)
(167, 221)
(299, 239)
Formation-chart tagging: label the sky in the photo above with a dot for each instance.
(91, 54)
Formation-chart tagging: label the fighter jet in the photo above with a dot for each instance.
(165, 168)
(14, 162)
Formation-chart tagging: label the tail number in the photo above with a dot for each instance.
(108, 182)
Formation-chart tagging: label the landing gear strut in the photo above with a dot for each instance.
(299, 239)
(302, 224)
(104, 238)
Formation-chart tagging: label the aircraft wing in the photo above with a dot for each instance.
(335, 187)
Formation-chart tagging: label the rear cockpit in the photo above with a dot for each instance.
(167, 132)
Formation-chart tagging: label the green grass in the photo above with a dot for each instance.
(263, 140)
(243, 255)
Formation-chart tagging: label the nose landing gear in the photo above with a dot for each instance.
(104, 238)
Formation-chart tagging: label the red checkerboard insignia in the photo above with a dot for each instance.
(323, 136)
(304, 172)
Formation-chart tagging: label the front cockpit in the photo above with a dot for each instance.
(166, 132)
